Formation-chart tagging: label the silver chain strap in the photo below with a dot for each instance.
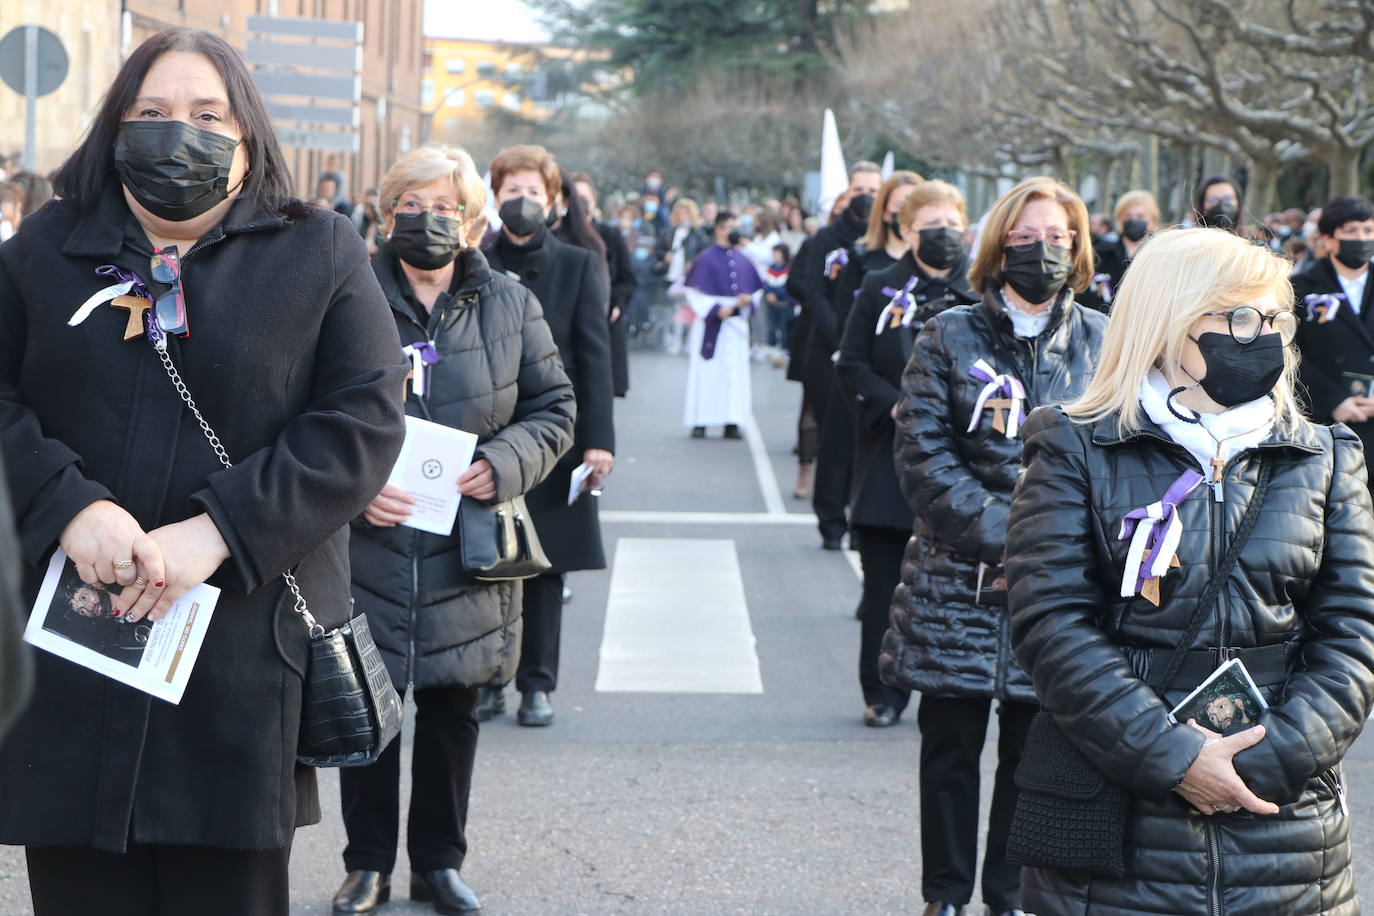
(160, 345)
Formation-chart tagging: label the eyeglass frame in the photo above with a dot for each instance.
(180, 323)
(1042, 235)
(458, 210)
(1230, 317)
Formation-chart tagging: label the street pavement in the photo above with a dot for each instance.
(745, 783)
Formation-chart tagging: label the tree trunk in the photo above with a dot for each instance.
(1259, 197)
(1345, 172)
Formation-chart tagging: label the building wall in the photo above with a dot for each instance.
(89, 30)
(464, 79)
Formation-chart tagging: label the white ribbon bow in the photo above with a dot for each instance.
(99, 298)
(997, 384)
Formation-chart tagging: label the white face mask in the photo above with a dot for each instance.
(1309, 229)
(6, 230)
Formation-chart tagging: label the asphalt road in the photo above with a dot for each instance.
(776, 802)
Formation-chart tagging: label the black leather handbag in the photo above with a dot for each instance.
(1069, 815)
(350, 710)
(499, 542)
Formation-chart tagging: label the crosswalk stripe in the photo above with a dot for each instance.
(677, 620)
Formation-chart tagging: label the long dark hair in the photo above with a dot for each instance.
(577, 223)
(90, 169)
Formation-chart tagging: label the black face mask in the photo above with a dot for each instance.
(860, 206)
(1037, 271)
(1134, 229)
(425, 241)
(1239, 373)
(1355, 253)
(733, 238)
(175, 171)
(940, 248)
(1222, 216)
(522, 216)
(895, 225)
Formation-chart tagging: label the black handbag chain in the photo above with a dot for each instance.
(1223, 572)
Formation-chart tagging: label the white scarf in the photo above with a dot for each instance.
(1220, 435)
(1024, 324)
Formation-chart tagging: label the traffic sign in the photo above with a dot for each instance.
(33, 62)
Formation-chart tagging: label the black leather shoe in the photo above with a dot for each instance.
(535, 709)
(446, 891)
(362, 892)
(698, 432)
(881, 715)
(943, 909)
(732, 432)
(832, 543)
(491, 701)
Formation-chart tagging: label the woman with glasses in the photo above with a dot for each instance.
(975, 373)
(176, 222)
(488, 365)
(1132, 497)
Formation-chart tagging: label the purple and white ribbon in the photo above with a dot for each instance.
(902, 303)
(1006, 386)
(1103, 284)
(421, 354)
(839, 257)
(127, 283)
(1331, 302)
(1155, 531)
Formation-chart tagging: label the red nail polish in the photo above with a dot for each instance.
(159, 584)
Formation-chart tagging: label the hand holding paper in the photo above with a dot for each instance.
(432, 461)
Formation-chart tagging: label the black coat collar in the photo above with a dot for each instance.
(99, 232)
(1304, 437)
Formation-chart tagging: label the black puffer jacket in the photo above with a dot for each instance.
(498, 376)
(959, 485)
(1305, 577)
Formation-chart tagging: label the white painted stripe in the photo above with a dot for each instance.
(763, 468)
(631, 516)
(677, 621)
(854, 563)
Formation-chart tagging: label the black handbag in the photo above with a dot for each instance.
(499, 542)
(350, 710)
(1069, 815)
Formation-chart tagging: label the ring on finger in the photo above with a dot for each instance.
(123, 564)
(139, 581)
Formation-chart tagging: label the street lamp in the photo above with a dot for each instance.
(428, 123)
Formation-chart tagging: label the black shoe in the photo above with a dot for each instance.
(535, 709)
(698, 432)
(880, 715)
(491, 701)
(732, 431)
(832, 543)
(362, 892)
(943, 909)
(445, 890)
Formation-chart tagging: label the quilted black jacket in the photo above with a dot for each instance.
(959, 485)
(1305, 577)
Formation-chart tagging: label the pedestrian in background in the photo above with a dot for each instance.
(622, 280)
(975, 373)
(879, 335)
(570, 285)
(1137, 213)
(495, 374)
(1219, 204)
(1193, 409)
(126, 804)
(676, 248)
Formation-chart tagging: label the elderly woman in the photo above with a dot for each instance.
(127, 804)
(1192, 412)
(494, 372)
(975, 371)
(571, 286)
(1137, 213)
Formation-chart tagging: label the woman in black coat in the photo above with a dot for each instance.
(621, 273)
(1253, 821)
(129, 804)
(877, 342)
(1137, 213)
(570, 285)
(975, 372)
(489, 367)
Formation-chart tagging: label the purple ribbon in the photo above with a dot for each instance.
(1330, 303)
(710, 329)
(1103, 282)
(902, 301)
(428, 355)
(121, 275)
(838, 257)
(1155, 542)
(1006, 386)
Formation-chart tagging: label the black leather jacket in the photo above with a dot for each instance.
(959, 485)
(1305, 577)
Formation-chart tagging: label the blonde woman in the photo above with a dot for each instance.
(1191, 410)
(975, 371)
(1137, 216)
(486, 363)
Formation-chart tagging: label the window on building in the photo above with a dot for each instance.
(455, 65)
(486, 69)
(515, 68)
(426, 92)
(458, 98)
(485, 98)
(511, 102)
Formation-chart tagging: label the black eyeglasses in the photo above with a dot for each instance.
(170, 307)
(1247, 323)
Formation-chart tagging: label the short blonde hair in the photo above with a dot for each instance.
(686, 203)
(1137, 199)
(435, 162)
(986, 270)
(1177, 276)
(932, 192)
(875, 239)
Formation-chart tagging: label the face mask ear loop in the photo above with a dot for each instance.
(1169, 401)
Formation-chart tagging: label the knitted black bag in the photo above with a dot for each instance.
(1068, 814)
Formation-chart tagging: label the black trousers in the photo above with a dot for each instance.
(952, 733)
(543, 631)
(880, 551)
(440, 782)
(153, 880)
(834, 461)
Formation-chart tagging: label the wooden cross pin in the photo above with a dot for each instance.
(135, 306)
(1149, 590)
(999, 408)
(1218, 469)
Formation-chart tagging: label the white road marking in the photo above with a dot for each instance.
(677, 620)
(706, 518)
(763, 468)
(854, 563)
